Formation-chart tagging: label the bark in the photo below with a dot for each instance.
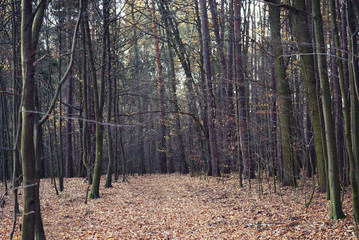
(354, 107)
(69, 160)
(209, 90)
(203, 101)
(230, 118)
(136, 62)
(86, 144)
(161, 92)
(336, 211)
(30, 27)
(284, 98)
(242, 113)
(98, 94)
(108, 183)
(15, 163)
(222, 75)
(302, 36)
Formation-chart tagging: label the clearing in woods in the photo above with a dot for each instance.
(180, 207)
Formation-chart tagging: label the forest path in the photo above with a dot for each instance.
(180, 207)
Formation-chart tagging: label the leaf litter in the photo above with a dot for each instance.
(177, 206)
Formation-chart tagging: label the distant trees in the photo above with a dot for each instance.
(201, 87)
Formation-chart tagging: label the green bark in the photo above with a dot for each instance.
(346, 110)
(284, 98)
(336, 211)
(302, 36)
(98, 93)
(354, 104)
(30, 27)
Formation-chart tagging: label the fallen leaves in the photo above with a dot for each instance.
(180, 207)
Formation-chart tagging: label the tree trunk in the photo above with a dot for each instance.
(242, 113)
(222, 84)
(69, 160)
(30, 27)
(230, 118)
(98, 93)
(302, 36)
(69, 173)
(136, 76)
(284, 98)
(15, 166)
(209, 90)
(354, 109)
(336, 211)
(108, 183)
(161, 90)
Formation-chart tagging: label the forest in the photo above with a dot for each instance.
(243, 113)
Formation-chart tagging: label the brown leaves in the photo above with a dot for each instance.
(179, 207)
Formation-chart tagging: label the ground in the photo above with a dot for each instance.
(181, 207)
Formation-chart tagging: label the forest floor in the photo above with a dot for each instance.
(180, 207)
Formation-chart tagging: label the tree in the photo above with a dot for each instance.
(30, 28)
(161, 93)
(175, 106)
(69, 173)
(230, 118)
(302, 36)
(209, 89)
(354, 107)
(240, 89)
(99, 98)
(284, 97)
(336, 211)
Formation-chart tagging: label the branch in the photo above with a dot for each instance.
(38, 18)
(283, 5)
(51, 56)
(194, 117)
(9, 93)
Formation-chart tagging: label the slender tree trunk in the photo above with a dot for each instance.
(354, 109)
(209, 90)
(302, 36)
(69, 160)
(242, 113)
(336, 211)
(136, 76)
(15, 164)
(203, 101)
(69, 173)
(86, 144)
(98, 93)
(162, 153)
(231, 122)
(109, 110)
(284, 98)
(30, 27)
(222, 82)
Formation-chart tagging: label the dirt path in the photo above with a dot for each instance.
(180, 207)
